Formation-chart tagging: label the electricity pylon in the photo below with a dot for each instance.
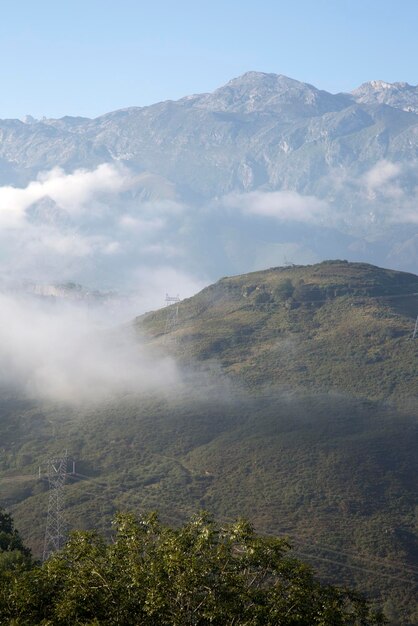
(55, 523)
(415, 329)
(172, 313)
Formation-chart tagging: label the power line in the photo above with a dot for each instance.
(309, 555)
(384, 563)
(406, 569)
(357, 567)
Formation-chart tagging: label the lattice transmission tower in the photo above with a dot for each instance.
(172, 304)
(56, 473)
(415, 329)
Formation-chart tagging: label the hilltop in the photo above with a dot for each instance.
(335, 325)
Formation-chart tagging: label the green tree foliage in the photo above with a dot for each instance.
(201, 573)
(15, 559)
(13, 553)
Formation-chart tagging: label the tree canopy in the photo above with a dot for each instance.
(13, 553)
(198, 574)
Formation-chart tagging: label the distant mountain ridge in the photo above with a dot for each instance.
(355, 155)
(123, 134)
(261, 91)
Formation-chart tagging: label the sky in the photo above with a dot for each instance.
(88, 57)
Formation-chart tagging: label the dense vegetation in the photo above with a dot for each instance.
(298, 414)
(151, 574)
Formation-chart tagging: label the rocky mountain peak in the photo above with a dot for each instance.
(262, 92)
(380, 85)
(29, 119)
(400, 95)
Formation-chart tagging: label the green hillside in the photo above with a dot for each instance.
(297, 409)
(335, 325)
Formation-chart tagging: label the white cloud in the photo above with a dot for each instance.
(163, 207)
(72, 192)
(51, 241)
(91, 227)
(286, 206)
(164, 250)
(60, 219)
(83, 225)
(384, 195)
(140, 225)
(393, 199)
(380, 177)
(66, 353)
(407, 214)
(59, 353)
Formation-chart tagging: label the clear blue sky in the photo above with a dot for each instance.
(87, 57)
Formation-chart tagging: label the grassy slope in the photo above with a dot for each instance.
(316, 438)
(345, 326)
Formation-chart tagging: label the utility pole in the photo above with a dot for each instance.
(415, 329)
(56, 473)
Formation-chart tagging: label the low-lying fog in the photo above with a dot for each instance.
(80, 256)
(64, 352)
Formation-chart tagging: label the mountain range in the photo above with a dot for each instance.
(258, 117)
(263, 170)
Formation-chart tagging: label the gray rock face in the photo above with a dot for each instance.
(271, 93)
(354, 154)
(398, 95)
